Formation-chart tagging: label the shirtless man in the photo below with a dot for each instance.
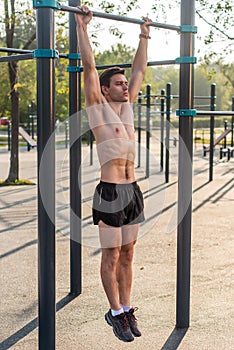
(118, 201)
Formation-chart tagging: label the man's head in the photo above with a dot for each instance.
(106, 75)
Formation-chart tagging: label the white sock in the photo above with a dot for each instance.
(126, 308)
(117, 312)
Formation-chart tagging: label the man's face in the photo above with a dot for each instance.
(118, 89)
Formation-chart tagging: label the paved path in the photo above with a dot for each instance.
(80, 322)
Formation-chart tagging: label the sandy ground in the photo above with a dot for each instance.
(80, 321)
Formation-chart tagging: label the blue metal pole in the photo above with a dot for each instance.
(186, 97)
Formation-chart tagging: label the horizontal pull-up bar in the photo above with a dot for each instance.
(57, 6)
(120, 18)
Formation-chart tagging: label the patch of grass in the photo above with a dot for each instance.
(18, 182)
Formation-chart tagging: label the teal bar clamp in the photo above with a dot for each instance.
(186, 59)
(45, 53)
(186, 112)
(46, 3)
(74, 56)
(187, 28)
(74, 69)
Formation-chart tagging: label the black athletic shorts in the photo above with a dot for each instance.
(118, 204)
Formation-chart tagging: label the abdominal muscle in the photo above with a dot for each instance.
(118, 171)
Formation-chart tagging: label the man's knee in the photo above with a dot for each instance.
(126, 253)
(110, 258)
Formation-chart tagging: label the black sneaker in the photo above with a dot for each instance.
(133, 322)
(120, 326)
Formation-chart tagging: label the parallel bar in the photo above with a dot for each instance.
(21, 57)
(120, 18)
(186, 93)
(75, 164)
(218, 113)
(46, 175)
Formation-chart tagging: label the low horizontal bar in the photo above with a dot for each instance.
(121, 18)
(221, 113)
(121, 65)
(21, 57)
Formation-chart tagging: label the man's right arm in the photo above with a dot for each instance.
(92, 89)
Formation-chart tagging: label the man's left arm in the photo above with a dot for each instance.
(140, 61)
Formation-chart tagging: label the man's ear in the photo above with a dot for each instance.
(104, 89)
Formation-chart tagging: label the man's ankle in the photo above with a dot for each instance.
(117, 312)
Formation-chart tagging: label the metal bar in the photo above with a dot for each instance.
(218, 113)
(212, 108)
(21, 57)
(167, 141)
(186, 93)
(129, 65)
(162, 129)
(139, 109)
(20, 51)
(147, 167)
(46, 185)
(75, 164)
(120, 18)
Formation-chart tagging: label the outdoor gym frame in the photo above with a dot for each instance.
(45, 101)
(46, 55)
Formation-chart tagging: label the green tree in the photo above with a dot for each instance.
(16, 20)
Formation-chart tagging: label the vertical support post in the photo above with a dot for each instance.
(212, 121)
(148, 98)
(225, 123)
(46, 185)
(139, 109)
(75, 162)
(162, 128)
(186, 96)
(168, 120)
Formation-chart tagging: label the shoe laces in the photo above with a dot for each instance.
(123, 321)
(130, 313)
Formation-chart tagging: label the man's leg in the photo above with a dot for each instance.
(110, 239)
(124, 269)
(129, 236)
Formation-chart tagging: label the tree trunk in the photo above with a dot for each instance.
(14, 95)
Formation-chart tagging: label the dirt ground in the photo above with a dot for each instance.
(80, 323)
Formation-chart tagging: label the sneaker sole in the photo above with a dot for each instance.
(115, 333)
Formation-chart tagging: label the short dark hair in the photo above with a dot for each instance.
(108, 73)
